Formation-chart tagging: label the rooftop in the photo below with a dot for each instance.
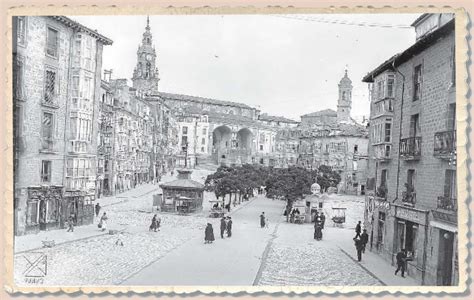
(73, 24)
(326, 112)
(183, 184)
(265, 117)
(201, 100)
(419, 46)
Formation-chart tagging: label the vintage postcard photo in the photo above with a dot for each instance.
(272, 151)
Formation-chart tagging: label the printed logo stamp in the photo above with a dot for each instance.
(36, 267)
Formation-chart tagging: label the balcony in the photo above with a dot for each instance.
(382, 152)
(447, 203)
(410, 148)
(444, 144)
(409, 195)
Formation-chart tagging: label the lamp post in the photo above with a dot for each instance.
(185, 149)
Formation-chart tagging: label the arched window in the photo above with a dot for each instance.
(148, 40)
(148, 70)
(343, 95)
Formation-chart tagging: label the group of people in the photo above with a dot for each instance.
(319, 220)
(360, 240)
(226, 227)
(155, 223)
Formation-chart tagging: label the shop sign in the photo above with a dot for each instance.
(410, 215)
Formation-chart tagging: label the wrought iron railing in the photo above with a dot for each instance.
(410, 148)
(444, 143)
(447, 203)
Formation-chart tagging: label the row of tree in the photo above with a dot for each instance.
(288, 184)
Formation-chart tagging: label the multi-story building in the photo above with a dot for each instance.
(336, 140)
(412, 197)
(105, 142)
(57, 64)
(134, 138)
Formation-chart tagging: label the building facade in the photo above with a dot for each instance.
(412, 198)
(56, 69)
(336, 140)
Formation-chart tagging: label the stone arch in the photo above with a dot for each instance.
(221, 138)
(244, 139)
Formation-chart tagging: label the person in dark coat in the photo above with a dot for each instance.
(358, 230)
(359, 246)
(223, 227)
(262, 220)
(318, 234)
(401, 260)
(70, 223)
(323, 220)
(208, 234)
(97, 209)
(229, 226)
(365, 239)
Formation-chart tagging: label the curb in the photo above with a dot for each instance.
(265, 255)
(365, 269)
(67, 242)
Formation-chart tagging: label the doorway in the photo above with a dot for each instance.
(445, 257)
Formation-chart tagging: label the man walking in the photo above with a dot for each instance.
(70, 223)
(358, 229)
(359, 246)
(323, 220)
(364, 237)
(401, 260)
(223, 227)
(229, 227)
(262, 220)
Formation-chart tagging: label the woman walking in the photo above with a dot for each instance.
(103, 222)
(209, 234)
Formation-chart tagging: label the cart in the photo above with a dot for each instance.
(216, 211)
(338, 215)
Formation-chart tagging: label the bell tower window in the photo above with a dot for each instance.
(148, 70)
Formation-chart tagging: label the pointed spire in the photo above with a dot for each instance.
(147, 23)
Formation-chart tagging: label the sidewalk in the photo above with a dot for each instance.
(373, 263)
(34, 241)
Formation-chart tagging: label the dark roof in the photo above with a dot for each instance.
(419, 19)
(184, 184)
(265, 117)
(326, 112)
(419, 46)
(201, 100)
(73, 24)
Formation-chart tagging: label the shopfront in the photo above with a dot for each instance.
(43, 211)
(78, 205)
(377, 212)
(411, 226)
(443, 259)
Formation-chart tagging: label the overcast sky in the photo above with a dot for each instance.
(282, 65)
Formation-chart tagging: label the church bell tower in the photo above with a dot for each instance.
(344, 103)
(145, 75)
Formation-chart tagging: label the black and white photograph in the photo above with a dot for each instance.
(246, 150)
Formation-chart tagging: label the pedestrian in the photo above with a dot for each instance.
(227, 206)
(208, 234)
(97, 209)
(103, 222)
(318, 234)
(223, 227)
(262, 220)
(323, 220)
(401, 260)
(229, 227)
(359, 247)
(70, 223)
(154, 223)
(358, 229)
(365, 239)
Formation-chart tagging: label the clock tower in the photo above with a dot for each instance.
(145, 75)
(344, 102)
